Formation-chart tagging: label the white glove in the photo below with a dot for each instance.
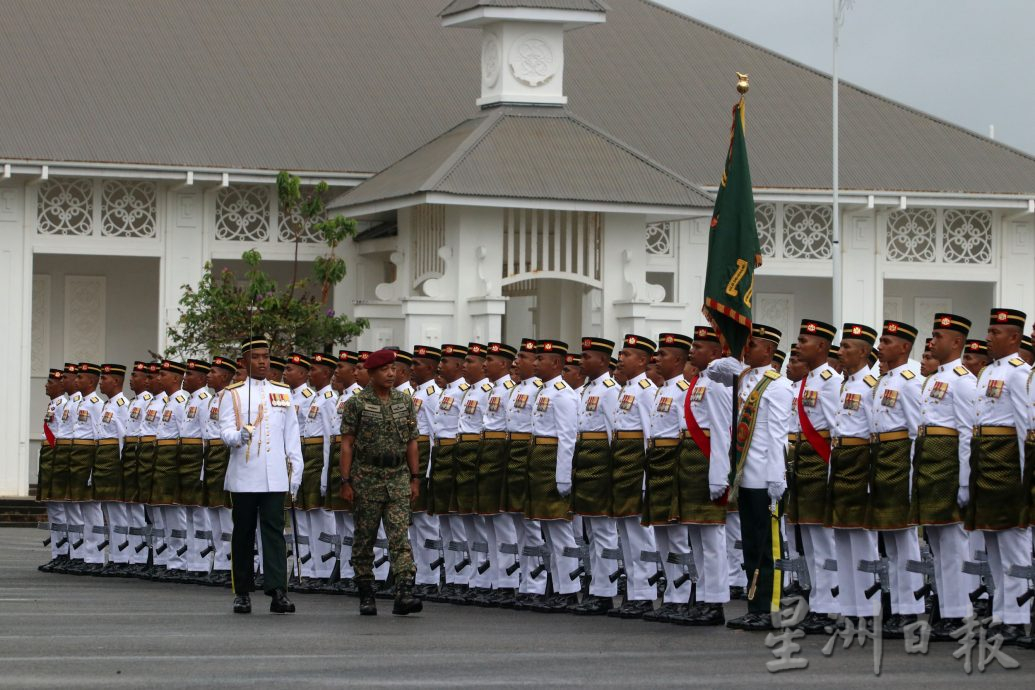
(89, 480)
(724, 370)
(963, 496)
(776, 490)
(564, 488)
(246, 436)
(323, 489)
(715, 491)
(293, 489)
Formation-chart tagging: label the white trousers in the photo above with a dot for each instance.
(603, 535)
(635, 538)
(76, 530)
(454, 531)
(136, 515)
(852, 546)
(674, 539)
(56, 515)
(175, 518)
(345, 526)
(559, 535)
(1007, 548)
(423, 528)
(949, 550)
(381, 555)
(160, 536)
(197, 522)
(481, 561)
(975, 544)
(320, 523)
(902, 546)
(90, 515)
(710, 558)
(818, 546)
(117, 518)
(504, 531)
(222, 523)
(735, 557)
(530, 535)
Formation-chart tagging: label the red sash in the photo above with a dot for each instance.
(696, 432)
(821, 445)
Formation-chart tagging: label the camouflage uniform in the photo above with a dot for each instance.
(380, 477)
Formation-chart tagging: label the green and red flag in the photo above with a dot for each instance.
(733, 247)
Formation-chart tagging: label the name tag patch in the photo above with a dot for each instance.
(995, 389)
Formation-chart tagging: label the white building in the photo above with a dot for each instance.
(142, 139)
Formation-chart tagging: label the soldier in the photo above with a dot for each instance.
(591, 476)
(442, 472)
(848, 484)
(362, 375)
(759, 478)
(628, 450)
(66, 419)
(796, 371)
(217, 456)
(44, 493)
(975, 356)
(107, 473)
(497, 529)
(702, 476)
(554, 428)
(661, 494)
(894, 419)
(129, 487)
(403, 371)
(652, 372)
(572, 373)
(818, 398)
(833, 358)
(941, 468)
(996, 506)
(87, 430)
(146, 454)
(190, 493)
(165, 482)
(532, 590)
(778, 359)
(1027, 351)
(322, 411)
(277, 367)
(303, 401)
(464, 501)
(425, 527)
(344, 525)
(257, 421)
(379, 474)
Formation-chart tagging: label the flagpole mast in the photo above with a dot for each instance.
(836, 212)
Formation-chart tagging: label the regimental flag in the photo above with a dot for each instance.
(733, 248)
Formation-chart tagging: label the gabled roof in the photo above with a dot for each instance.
(528, 153)
(458, 6)
(350, 87)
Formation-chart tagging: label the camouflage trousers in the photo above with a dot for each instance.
(382, 495)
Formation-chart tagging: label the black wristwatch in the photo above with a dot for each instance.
(346, 480)
(414, 477)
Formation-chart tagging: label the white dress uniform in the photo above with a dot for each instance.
(446, 424)
(636, 538)
(344, 524)
(499, 529)
(556, 416)
(823, 384)
(73, 515)
(712, 406)
(313, 423)
(196, 517)
(88, 513)
(149, 428)
(261, 465)
(597, 405)
(1002, 400)
(667, 421)
(135, 513)
(425, 527)
(219, 519)
(901, 386)
(472, 421)
(852, 545)
(56, 509)
(947, 400)
(172, 425)
(114, 416)
(519, 421)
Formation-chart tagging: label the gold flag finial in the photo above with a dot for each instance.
(742, 83)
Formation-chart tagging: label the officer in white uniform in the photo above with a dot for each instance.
(114, 416)
(87, 431)
(425, 527)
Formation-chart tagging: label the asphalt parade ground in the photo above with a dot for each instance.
(86, 632)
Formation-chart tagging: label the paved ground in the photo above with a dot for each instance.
(59, 630)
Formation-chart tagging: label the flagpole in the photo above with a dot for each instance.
(836, 212)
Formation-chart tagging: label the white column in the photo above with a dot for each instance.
(862, 285)
(624, 275)
(184, 254)
(16, 227)
(474, 236)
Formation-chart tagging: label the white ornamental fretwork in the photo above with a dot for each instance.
(243, 213)
(967, 237)
(806, 231)
(65, 207)
(128, 209)
(911, 235)
(659, 239)
(532, 60)
(294, 221)
(765, 221)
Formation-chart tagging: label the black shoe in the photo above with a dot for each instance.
(1026, 642)
(383, 589)
(631, 610)
(592, 605)
(242, 603)
(983, 608)
(664, 613)
(405, 602)
(367, 602)
(195, 577)
(260, 582)
(702, 615)
(943, 629)
(752, 621)
(280, 603)
(479, 596)
(556, 603)
(893, 628)
(816, 623)
(1010, 632)
(457, 594)
(737, 592)
(527, 602)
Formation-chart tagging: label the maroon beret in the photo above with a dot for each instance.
(378, 359)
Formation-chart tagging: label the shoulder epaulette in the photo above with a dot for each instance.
(1016, 361)
(278, 383)
(961, 371)
(328, 394)
(430, 390)
(559, 385)
(306, 393)
(771, 374)
(908, 375)
(825, 374)
(645, 383)
(203, 394)
(508, 384)
(180, 398)
(120, 401)
(869, 380)
(464, 386)
(538, 383)
(683, 385)
(235, 385)
(94, 399)
(486, 387)
(609, 383)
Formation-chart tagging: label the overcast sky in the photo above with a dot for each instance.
(967, 61)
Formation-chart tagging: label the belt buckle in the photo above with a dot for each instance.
(921, 432)
(874, 438)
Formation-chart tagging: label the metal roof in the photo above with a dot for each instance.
(529, 153)
(458, 6)
(326, 85)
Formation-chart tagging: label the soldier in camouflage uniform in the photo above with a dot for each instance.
(379, 470)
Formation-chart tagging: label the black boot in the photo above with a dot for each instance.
(280, 603)
(243, 603)
(367, 602)
(405, 602)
